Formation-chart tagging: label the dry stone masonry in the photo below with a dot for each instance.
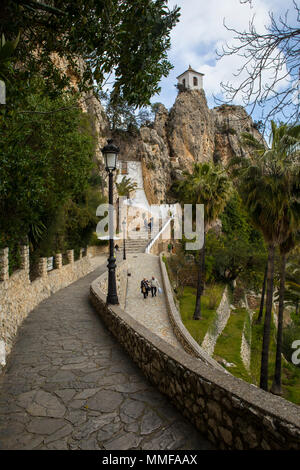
(18, 295)
(221, 318)
(246, 340)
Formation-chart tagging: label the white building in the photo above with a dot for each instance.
(133, 171)
(191, 79)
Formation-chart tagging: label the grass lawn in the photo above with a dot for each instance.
(256, 345)
(291, 383)
(229, 342)
(187, 302)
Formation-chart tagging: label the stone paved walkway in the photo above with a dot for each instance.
(151, 312)
(69, 385)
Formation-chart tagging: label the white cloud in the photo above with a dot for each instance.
(201, 31)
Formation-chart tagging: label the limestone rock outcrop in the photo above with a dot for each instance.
(190, 132)
(190, 129)
(229, 123)
(150, 146)
(156, 158)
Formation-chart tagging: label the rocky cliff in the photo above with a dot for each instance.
(190, 132)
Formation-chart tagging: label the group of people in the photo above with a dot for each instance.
(147, 286)
(148, 225)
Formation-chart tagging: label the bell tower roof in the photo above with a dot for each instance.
(190, 69)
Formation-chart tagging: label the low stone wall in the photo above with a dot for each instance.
(189, 344)
(221, 319)
(18, 295)
(246, 338)
(246, 352)
(97, 250)
(230, 412)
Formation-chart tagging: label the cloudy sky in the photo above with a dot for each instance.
(201, 31)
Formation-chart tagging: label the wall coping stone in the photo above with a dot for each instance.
(19, 295)
(185, 338)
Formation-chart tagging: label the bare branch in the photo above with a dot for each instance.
(275, 53)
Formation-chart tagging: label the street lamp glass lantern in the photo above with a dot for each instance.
(110, 152)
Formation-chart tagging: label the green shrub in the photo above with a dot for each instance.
(46, 161)
(213, 296)
(96, 242)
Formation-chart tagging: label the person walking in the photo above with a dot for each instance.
(148, 286)
(154, 286)
(144, 287)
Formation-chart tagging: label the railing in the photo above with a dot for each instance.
(151, 242)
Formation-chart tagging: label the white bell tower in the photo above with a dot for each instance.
(191, 79)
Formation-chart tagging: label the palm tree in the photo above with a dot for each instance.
(208, 184)
(284, 249)
(268, 181)
(262, 300)
(125, 186)
(292, 290)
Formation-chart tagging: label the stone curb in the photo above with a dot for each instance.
(184, 337)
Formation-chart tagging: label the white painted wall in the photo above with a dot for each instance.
(188, 76)
(136, 175)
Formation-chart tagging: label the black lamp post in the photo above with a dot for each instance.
(124, 236)
(110, 152)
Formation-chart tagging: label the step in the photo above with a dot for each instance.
(137, 242)
(140, 250)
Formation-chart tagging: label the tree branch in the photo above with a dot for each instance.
(276, 53)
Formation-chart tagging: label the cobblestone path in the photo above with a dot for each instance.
(151, 312)
(69, 385)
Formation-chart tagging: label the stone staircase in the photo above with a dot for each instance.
(136, 242)
(136, 246)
